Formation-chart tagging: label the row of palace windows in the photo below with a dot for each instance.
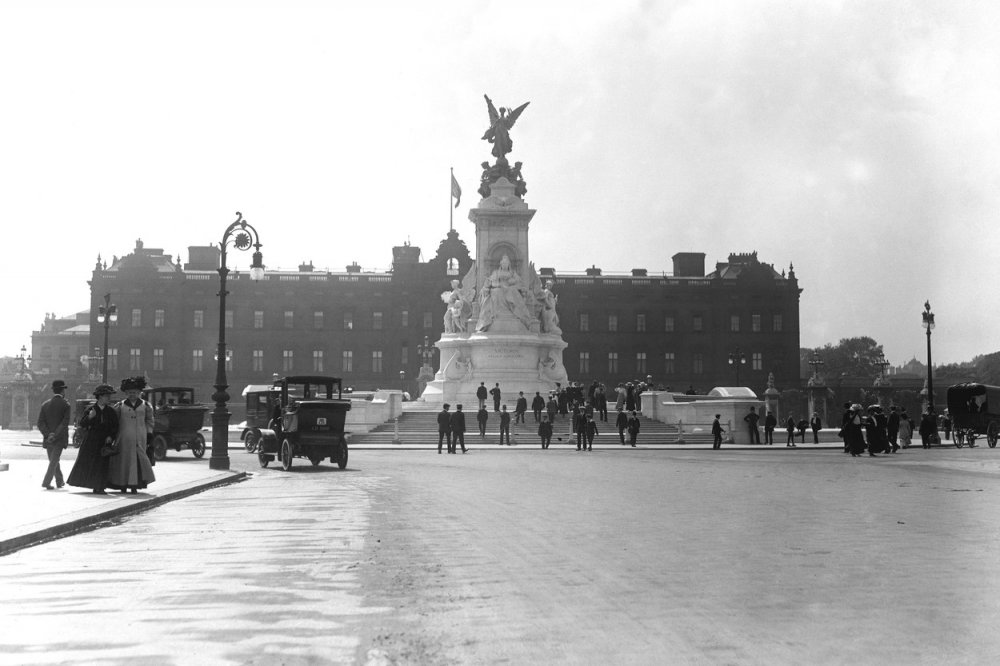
(318, 362)
(201, 361)
(378, 321)
(642, 364)
(697, 323)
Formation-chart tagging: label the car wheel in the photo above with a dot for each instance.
(198, 445)
(286, 455)
(263, 459)
(992, 432)
(160, 447)
(342, 460)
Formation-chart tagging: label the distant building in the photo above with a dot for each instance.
(366, 327)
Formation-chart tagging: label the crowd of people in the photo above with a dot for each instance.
(581, 406)
(113, 439)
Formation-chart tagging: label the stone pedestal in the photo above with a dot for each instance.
(20, 404)
(517, 361)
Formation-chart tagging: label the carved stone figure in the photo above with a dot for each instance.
(550, 320)
(500, 124)
(503, 292)
(456, 308)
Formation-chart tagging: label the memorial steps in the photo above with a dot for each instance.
(419, 429)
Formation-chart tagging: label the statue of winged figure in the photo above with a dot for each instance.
(500, 124)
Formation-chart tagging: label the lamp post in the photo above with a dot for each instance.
(245, 237)
(107, 314)
(737, 358)
(928, 323)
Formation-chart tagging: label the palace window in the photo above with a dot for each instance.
(347, 361)
(698, 364)
(584, 363)
(197, 358)
(134, 360)
(158, 317)
(318, 360)
(287, 360)
(289, 319)
(640, 323)
(428, 320)
(755, 323)
(584, 321)
(612, 363)
(668, 324)
(199, 319)
(258, 360)
(757, 361)
(348, 321)
(112, 358)
(697, 323)
(318, 320)
(377, 321)
(404, 319)
(612, 322)
(136, 317)
(258, 319)
(668, 363)
(734, 323)
(230, 318)
(776, 323)
(377, 362)
(158, 360)
(640, 362)
(404, 354)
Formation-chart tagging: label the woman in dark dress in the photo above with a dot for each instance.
(101, 422)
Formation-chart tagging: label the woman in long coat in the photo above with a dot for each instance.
(854, 431)
(131, 469)
(101, 422)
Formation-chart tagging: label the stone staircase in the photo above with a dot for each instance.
(419, 428)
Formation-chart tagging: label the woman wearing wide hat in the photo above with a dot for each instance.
(130, 468)
(101, 424)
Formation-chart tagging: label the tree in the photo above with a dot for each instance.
(988, 368)
(852, 357)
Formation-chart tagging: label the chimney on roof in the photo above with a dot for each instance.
(689, 264)
(354, 267)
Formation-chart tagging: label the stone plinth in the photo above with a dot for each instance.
(527, 362)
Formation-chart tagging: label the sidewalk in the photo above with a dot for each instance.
(31, 514)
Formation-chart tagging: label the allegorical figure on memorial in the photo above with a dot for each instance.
(500, 124)
(503, 292)
(456, 305)
(550, 320)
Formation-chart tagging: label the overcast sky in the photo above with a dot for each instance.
(859, 141)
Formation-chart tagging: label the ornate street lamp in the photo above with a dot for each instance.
(243, 237)
(24, 358)
(737, 358)
(817, 364)
(107, 314)
(928, 323)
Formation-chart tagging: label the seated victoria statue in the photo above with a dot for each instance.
(503, 292)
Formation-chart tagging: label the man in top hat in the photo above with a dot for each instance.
(53, 423)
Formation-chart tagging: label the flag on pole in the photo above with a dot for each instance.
(456, 191)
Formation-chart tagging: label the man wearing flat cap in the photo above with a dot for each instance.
(53, 423)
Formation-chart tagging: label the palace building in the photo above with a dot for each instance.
(682, 327)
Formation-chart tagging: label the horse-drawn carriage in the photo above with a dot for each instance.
(974, 410)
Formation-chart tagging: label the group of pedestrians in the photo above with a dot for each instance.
(876, 432)
(113, 439)
(752, 419)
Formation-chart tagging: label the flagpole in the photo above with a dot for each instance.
(451, 210)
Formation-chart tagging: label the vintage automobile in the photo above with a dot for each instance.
(261, 401)
(178, 420)
(311, 423)
(975, 410)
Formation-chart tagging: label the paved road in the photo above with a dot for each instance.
(536, 557)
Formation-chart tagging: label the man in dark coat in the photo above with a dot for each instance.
(621, 422)
(717, 432)
(817, 424)
(481, 395)
(552, 407)
(457, 430)
(444, 427)
(545, 431)
(590, 429)
(751, 420)
(53, 423)
(892, 428)
(520, 408)
(504, 425)
(601, 402)
(770, 423)
(537, 405)
(928, 429)
(482, 416)
(579, 428)
(495, 393)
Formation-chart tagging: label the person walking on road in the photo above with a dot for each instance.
(495, 393)
(633, 428)
(101, 425)
(816, 424)
(130, 467)
(552, 408)
(853, 431)
(905, 429)
(751, 421)
(504, 425)
(53, 423)
(537, 405)
(520, 408)
(579, 428)
(928, 429)
(444, 427)
(590, 430)
(770, 423)
(717, 432)
(481, 395)
(790, 427)
(482, 416)
(892, 428)
(621, 423)
(457, 425)
(545, 431)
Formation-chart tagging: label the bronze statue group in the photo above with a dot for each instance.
(113, 439)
